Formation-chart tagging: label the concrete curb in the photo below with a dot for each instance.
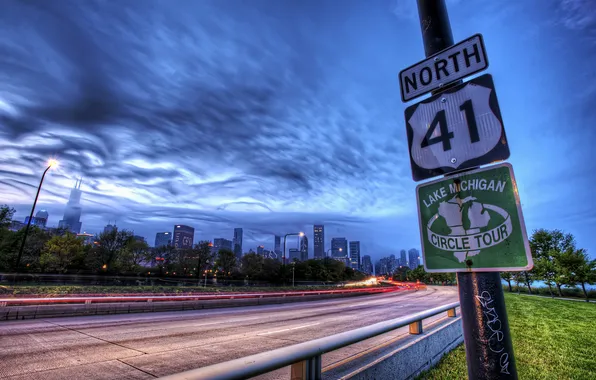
(71, 310)
(413, 358)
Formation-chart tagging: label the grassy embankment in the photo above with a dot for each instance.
(60, 290)
(552, 339)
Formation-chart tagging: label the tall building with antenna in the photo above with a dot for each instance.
(72, 212)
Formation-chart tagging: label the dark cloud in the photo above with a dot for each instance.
(270, 115)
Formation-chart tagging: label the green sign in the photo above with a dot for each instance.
(473, 222)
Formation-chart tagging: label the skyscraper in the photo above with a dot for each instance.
(109, 228)
(277, 246)
(402, 258)
(260, 250)
(163, 239)
(339, 248)
(414, 257)
(355, 255)
(40, 219)
(184, 236)
(303, 248)
(367, 264)
(221, 243)
(72, 212)
(294, 254)
(319, 241)
(238, 243)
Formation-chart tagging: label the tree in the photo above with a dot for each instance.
(110, 246)
(507, 276)
(271, 270)
(528, 279)
(6, 214)
(418, 274)
(518, 277)
(401, 274)
(133, 254)
(579, 269)
(252, 266)
(60, 252)
(551, 246)
(545, 269)
(226, 261)
(203, 257)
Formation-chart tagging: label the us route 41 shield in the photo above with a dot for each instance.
(457, 129)
(473, 222)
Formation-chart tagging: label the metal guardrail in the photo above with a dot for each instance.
(306, 358)
(190, 297)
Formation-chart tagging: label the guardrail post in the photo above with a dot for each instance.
(309, 369)
(416, 328)
(451, 313)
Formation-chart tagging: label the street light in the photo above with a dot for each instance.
(293, 270)
(51, 163)
(300, 234)
(340, 249)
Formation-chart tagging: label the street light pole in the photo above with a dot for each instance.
(293, 270)
(285, 236)
(18, 263)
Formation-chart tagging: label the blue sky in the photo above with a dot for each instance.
(274, 115)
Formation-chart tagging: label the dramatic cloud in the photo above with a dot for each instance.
(270, 115)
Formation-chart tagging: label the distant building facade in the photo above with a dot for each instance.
(163, 239)
(319, 241)
(40, 219)
(414, 257)
(277, 246)
(88, 239)
(72, 212)
(303, 248)
(339, 249)
(366, 266)
(109, 228)
(403, 262)
(294, 254)
(237, 242)
(184, 236)
(221, 243)
(355, 255)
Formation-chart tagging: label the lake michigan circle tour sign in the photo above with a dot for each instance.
(473, 222)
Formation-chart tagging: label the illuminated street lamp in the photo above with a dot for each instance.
(300, 234)
(51, 163)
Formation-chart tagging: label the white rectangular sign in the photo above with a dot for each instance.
(456, 62)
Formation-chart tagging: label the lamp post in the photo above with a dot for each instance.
(293, 270)
(285, 236)
(51, 164)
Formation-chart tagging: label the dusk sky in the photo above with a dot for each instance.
(272, 115)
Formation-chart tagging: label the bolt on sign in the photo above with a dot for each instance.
(472, 222)
(457, 129)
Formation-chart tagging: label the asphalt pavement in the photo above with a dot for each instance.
(143, 346)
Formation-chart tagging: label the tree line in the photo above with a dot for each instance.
(118, 252)
(557, 262)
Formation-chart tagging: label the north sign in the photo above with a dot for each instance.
(472, 222)
(458, 129)
(456, 62)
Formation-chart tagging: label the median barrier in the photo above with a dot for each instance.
(30, 308)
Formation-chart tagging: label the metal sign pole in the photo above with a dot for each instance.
(489, 351)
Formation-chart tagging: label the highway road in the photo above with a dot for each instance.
(149, 345)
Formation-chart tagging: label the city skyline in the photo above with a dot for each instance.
(279, 122)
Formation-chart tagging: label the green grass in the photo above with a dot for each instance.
(58, 290)
(552, 339)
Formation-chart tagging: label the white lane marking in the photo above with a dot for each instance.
(289, 329)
